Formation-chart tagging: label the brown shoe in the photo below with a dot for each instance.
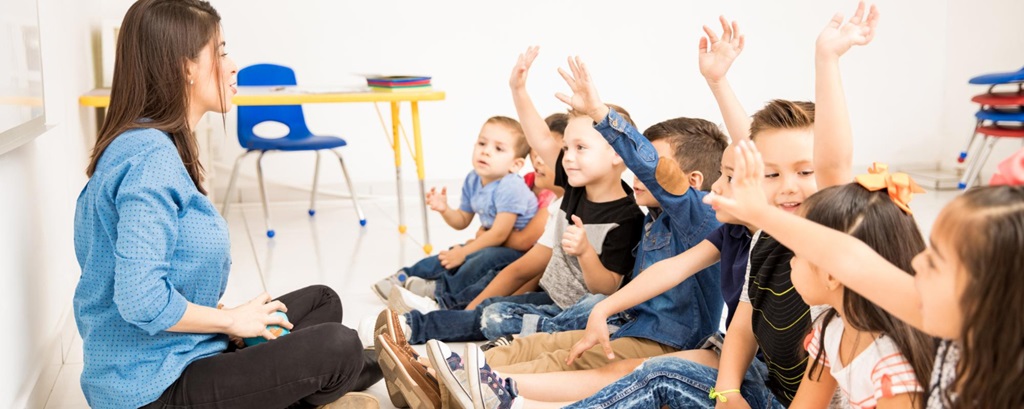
(390, 325)
(354, 400)
(409, 378)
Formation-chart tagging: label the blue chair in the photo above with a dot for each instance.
(299, 138)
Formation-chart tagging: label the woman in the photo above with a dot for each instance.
(155, 254)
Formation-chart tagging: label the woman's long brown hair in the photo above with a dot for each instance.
(985, 227)
(873, 218)
(156, 41)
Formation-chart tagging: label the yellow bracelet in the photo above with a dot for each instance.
(720, 396)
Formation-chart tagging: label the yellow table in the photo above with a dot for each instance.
(100, 98)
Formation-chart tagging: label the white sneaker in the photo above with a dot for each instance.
(367, 329)
(403, 301)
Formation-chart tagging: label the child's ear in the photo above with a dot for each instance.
(517, 165)
(696, 179)
(830, 282)
(617, 160)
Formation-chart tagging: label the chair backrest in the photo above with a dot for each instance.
(250, 116)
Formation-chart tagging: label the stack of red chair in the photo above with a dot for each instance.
(1000, 115)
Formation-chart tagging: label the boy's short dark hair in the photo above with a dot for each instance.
(782, 114)
(557, 122)
(522, 146)
(698, 145)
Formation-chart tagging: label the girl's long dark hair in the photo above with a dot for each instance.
(874, 219)
(985, 227)
(157, 38)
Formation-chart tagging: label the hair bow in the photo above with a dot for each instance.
(900, 186)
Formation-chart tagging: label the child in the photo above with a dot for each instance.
(883, 362)
(495, 191)
(672, 161)
(966, 278)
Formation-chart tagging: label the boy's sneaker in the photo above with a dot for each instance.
(487, 388)
(403, 301)
(382, 288)
(451, 374)
(408, 382)
(421, 287)
(503, 340)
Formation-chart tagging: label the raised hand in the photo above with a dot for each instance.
(438, 202)
(717, 54)
(748, 198)
(452, 257)
(584, 95)
(837, 38)
(574, 240)
(596, 333)
(522, 68)
(252, 318)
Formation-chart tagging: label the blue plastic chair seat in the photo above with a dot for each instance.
(998, 78)
(309, 143)
(997, 116)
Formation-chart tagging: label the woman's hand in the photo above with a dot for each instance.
(252, 318)
(717, 54)
(584, 97)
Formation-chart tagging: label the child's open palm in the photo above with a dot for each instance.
(717, 54)
(522, 68)
(748, 197)
(438, 202)
(584, 95)
(837, 38)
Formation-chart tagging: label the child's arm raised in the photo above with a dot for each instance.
(715, 57)
(653, 281)
(538, 134)
(661, 175)
(833, 137)
(849, 260)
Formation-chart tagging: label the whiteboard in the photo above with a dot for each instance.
(22, 111)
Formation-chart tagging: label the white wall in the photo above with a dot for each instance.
(982, 37)
(39, 183)
(643, 57)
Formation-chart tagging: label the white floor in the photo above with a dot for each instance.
(332, 249)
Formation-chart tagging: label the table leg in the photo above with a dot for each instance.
(418, 142)
(396, 146)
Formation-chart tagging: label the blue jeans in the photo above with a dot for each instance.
(460, 325)
(678, 383)
(459, 288)
(503, 318)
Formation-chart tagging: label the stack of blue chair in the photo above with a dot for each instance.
(1000, 115)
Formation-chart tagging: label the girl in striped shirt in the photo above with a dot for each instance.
(875, 359)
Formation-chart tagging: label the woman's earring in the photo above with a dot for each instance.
(191, 82)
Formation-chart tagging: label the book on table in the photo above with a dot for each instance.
(398, 83)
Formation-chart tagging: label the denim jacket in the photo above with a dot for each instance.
(684, 315)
